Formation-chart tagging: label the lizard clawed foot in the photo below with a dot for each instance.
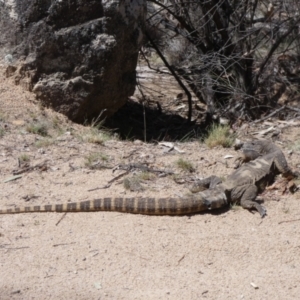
(262, 211)
(248, 204)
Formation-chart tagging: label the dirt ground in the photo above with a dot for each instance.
(232, 254)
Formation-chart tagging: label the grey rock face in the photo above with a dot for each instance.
(77, 56)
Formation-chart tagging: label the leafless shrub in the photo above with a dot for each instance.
(232, 53)
(177, 51)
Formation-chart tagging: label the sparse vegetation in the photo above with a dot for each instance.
(185, 165)
(2, 116)
(24, 158)
(93, 159)
(285, 209)
(95, 136)
(219, 135)
(44, 142)
(133, 183)
(187, 137)
(146, 176)
(295, 146)
(235, 206)
(297, 182)
(40, 128)
(95, 132)
(57, 125)
(2, 132)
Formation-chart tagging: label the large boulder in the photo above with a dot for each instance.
(77, 56)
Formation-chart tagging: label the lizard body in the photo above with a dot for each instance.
(264, 160)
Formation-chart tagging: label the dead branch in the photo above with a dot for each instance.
(177, 78)
(288, 221)
(269, 115)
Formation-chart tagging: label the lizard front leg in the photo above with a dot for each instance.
(248, 200)
(206, 183)
(282, 166)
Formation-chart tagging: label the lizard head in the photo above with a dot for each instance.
(253, 149)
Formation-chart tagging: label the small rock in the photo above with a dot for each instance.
(224, 121)
(41, 151)
(254, 285)
(138, 142)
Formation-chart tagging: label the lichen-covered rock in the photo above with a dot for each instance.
(77, 56)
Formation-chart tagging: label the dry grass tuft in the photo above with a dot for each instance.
(24, 158)
(40, 128)
(185, 165)
(93, 159)
(219, 135)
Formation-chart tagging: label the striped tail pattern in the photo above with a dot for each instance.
(134, 205)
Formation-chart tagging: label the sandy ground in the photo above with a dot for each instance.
(233, 254)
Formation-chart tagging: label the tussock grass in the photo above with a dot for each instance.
(219, 135)
(92, 159)
(57, 125)
(133, 184)
(185, 165)
(24, 158)
(295, 146)
(95, 136)
(42, 143)
(235, 206)
(2, 132)
(95, 132)
(146, 176)
(40, 128)
(3, 117)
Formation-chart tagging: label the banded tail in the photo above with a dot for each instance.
(146, 206)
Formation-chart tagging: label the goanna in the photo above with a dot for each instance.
(264, 160)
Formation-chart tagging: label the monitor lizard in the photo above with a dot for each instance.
(262, 160)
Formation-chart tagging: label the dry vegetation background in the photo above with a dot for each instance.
(240, 59)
